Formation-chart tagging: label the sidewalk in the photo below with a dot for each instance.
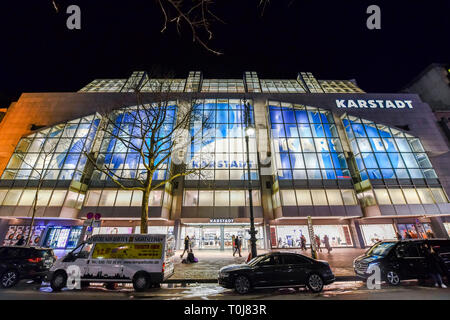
(210, 262)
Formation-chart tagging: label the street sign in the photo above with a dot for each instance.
(97, 216)
(90, 215)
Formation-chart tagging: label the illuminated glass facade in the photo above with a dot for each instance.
(306, 143)
(55, 153)
(386, 153)
(222, 153)
(124, 160)
(310, 156)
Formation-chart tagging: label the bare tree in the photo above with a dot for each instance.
(158, 133)
(197, 15)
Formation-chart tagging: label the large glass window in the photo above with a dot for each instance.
(318, 197)
(220, 198)
(290, 236)
(121, 198)
(306, 143)
(123, 159)
(53, 153)
(219, 151)
(374, 233)
(386, 153)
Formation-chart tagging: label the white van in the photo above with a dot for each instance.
(144, 260)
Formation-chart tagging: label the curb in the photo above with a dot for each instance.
(338, 279)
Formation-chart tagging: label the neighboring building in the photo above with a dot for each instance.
(363, 166)
(433, 87)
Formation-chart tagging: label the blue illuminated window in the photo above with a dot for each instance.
(386, 153)
(306, 143)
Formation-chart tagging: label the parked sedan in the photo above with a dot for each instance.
(18, 263)
(277, 270)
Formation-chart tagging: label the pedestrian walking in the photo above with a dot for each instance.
(239, 245)
(326, 242)
(434, 262)
(318, 243)
(303, 243)
(398, 235)
(235, 245)
(233, 239)
(186, 246)
(407, 235)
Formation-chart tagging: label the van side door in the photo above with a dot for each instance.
(104, 264)
(412, 262)
(79, 257)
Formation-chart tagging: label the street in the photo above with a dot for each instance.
(351, 290)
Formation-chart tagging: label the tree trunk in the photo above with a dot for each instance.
(30, 234)
(144, 211)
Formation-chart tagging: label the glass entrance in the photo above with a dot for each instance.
(211, 238)
(218, 237)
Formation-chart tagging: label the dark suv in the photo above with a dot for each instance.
(18, 263)
(402, 260)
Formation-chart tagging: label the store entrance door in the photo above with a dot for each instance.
(217, 237)
(212, 238)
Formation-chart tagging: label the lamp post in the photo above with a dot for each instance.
(250, 131)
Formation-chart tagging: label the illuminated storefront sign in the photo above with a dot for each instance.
(221, 220)
(221, 164)
(374, 104)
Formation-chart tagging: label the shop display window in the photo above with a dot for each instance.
(373, 233)
(290, 236)
(447, 227)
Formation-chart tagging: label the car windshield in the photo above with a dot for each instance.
(381, 249)
(255, 260)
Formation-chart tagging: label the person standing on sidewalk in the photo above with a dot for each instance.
(326, 242)
(186, 246)
(303, 243)
(434, 269)
(238, 245)
(233, 243)
(318, 243)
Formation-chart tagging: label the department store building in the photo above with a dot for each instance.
(363, 166)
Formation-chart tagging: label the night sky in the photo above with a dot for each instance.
(328, 38)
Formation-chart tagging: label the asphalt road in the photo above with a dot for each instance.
(409, 290)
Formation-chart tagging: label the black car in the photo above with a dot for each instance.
(277, 270)
(18, 263)
(402, 259)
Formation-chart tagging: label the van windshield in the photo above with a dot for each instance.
(381, 249)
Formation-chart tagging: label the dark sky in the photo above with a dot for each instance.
(329, 38)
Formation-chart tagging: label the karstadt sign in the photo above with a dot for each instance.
(374, 104)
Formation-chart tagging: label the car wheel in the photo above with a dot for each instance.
(242, 285)
(314, 283)
(141, 282)
(59, 281)
(9, 278)
(393, 278)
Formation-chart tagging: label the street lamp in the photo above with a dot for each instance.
(250, 131)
